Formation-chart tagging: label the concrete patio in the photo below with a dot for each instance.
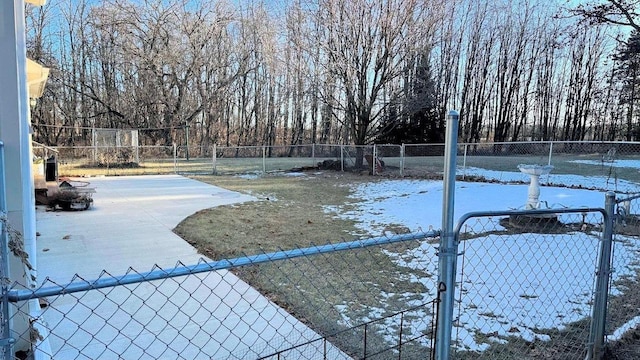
(210, 315)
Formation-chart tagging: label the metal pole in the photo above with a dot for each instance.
(365, 342)
(175, 158)
(94, 140)
(187, 140)
(135, 144)
(550, 151)
(342, 158)
(464, 161)
(402, 160)
(264, 160)
(598, 319)
(374, 160)
(448, 247)
(214, 158)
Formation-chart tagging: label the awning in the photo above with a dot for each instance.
(36, 78)
(36, 2)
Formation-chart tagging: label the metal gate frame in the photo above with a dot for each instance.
(596, 339)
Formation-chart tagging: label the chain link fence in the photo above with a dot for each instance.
(623, 314)
(596, 165)
(389, 160)
(526, 285)
(337, 301)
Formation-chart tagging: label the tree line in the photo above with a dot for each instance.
(333, 71)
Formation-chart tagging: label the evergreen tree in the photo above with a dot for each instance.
(628, 72)
(415, 120)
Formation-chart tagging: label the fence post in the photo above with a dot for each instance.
(187, 139)
(464, 161)
(374, 160)
(550, 151)
(175, 158)
(264, 160)
(313, 154)
(342, 158)
(448, 248)
(402, 160)
(603, 273)
(94, 142)
(136, 145)
(214, 158)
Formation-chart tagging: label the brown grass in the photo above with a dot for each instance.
(288, 214)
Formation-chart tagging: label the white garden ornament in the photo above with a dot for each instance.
(534, 171)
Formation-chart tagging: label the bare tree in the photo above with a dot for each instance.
(322, 70)
(616, 12)
(586, 54)
(367, 46)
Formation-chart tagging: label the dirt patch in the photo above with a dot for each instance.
(116, 165)
(628, 225)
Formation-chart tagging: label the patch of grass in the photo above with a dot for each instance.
(321, 290)
(85, 169)
(427, 167)
(568, 343)
(288, 213)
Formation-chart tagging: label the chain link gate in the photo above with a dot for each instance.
(526, 283)
(623, 312)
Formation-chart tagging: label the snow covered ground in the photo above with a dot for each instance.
(614, 163)
(514, 285)
(417, 204)
(587, 182)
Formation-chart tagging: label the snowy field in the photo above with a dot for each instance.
(513, 285)
(564, 180)
(615, 163)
